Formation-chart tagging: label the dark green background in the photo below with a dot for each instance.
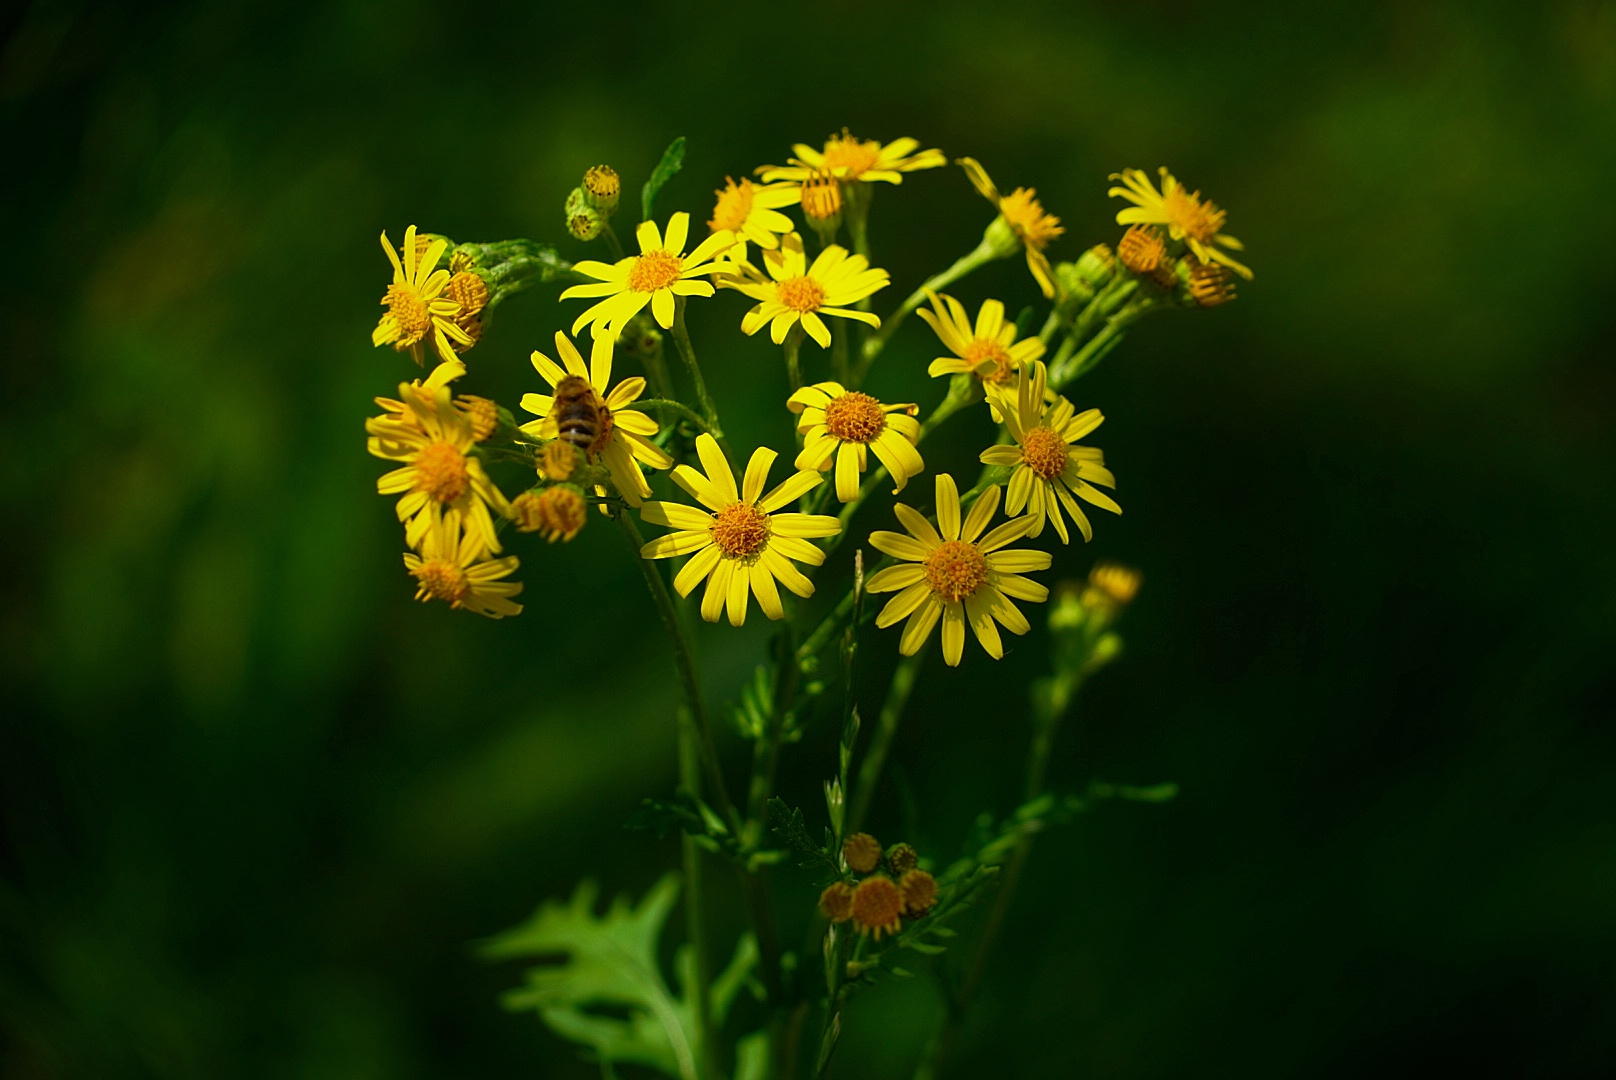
(258, 803)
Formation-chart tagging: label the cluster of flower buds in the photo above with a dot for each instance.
(1081, 617)
(884, 888)
(592, 203)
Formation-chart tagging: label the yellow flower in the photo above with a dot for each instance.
(451, 568)
(1196, 221)
(416, 390)
(956, 575)
(1050, 469)
(802, 293)
(741, 544)
(1024, 215)
(558, 512)
(989, 350)
(434, 439)
(615, 434)
(842, 425)
(655, 276)
(851, 159)
(752, 212)
(416, 304)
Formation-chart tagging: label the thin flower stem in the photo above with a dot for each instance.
(793, 346)
(877, 341)
(886, 726)
(612, 241)
(695, 925)
(683, 659)
(838, 350)
(687, 353)
(679, 408)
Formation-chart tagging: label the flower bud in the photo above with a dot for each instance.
(878, 906)
(483, 414)
(836, 902)
(558, 460)
(902, 858)
(1142, 249)
(601, 188)
(1097, 266)
(919, 892)
(558, 512)
(862, 852)
(583, 220)
(1209, 284)
(1001, 239)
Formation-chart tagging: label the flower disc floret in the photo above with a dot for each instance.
(878, 906)
(955, 570)
(802, 294)
(855, 417)
(440, 472)
(740, 530)
(440, 580)
(1045, 452)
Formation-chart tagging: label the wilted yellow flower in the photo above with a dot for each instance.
(1022, 213)
(451, 568)
(851, 159)
(878, 906)
(842, 426)
(1196, 221)
(802, 293)
(1050, 468)
(434, 440)
(956, 575)
(655, 276)
(741, 544)
(416, 305)
(600, 423)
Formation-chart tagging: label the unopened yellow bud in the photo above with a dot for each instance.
(583, 220)
(602, 189)
(862, 852)
(558, 512)
(1210, 284)
(558, 460)
(468, 290)
(483, 414)
(1142, 249)
(902, 858)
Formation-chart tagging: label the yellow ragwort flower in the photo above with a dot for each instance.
(599, 422)
(416, 390)
(417, 307)
(752, 212)
(660, 272)
(434, 440)
(1196, 221)
(851, 159)
(956, 574)
(451, 568)
(802, 293)
(1024, 216)
(877, 906)
(740, 543)
(989, 350)
(1051, 470)
(842, 426)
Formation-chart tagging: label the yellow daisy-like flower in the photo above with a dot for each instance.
(802, 293)
(451, 568)
(752, 212)
(851, 159)
(439, 473)
(843, 425)
(1196, 221)
(1051, 471)
(1024, 215)
(655, 276)
(955, 574)
(989, 349)
(416, 305)
(416, 390)
(599, 422)
(740, 543)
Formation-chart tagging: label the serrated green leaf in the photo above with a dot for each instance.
(673, 159)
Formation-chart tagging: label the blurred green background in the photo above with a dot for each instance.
(258, 804)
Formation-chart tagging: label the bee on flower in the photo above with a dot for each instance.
(796, 292)
(1195, 221)
(954, 574)
(739, 541)
(1051, 469)
(418, 307)
(593, 420)
(842, 426)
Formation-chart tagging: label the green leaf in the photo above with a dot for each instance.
(603, 988)
(786, 823)
(673, 159)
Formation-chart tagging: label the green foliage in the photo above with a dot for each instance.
(608, 968)
(673, 159)
(787, 823)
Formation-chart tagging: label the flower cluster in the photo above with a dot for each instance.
(883, 887)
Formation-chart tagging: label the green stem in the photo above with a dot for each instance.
(679, 408)
(877, 341)
(695, 925)
(610, 235)
(838, 350)
(683, 659)
(687, 353)
(886, 727)
(793, 346)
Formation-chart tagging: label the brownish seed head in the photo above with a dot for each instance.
(902, 858)
(862, 852)
(919, 890)
(836, 902)
(878, 906)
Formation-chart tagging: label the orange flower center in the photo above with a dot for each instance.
(855, 155)
(734, 206)
(441, 579)
(1044, 451)
(408, 307)
(1025, 214)
(1188, 214)
(982, 350)
(802, 294)
(740, 530)
(655, 270)
(855, 417)
(955, 570)
(877, 903)
(440, 471)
